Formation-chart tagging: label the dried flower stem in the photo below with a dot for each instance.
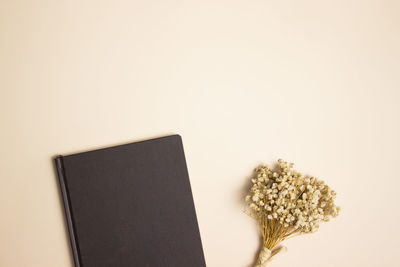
(285, 203)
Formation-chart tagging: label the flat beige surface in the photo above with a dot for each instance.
(243, 82)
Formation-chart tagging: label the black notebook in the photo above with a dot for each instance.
(131, 206)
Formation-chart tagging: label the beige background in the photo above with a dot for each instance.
(243, 82)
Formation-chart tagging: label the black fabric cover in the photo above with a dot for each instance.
(131, 205)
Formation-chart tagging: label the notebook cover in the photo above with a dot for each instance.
(131, 205)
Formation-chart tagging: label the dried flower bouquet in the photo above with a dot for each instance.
(286, 203)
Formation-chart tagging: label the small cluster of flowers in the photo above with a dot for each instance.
(298, 203)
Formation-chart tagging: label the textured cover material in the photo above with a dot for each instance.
(131, 205)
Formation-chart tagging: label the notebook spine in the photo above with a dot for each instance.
(67, 207)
